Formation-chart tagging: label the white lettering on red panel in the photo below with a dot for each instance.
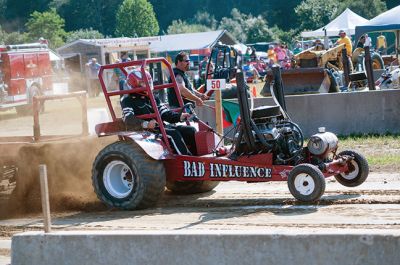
(199, 169)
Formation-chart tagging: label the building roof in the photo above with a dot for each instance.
(174, 42)
(113, 42)
(191, 41)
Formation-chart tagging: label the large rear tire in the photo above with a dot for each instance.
(191, 187)
(377, 61)
(306, 183)
(359, 170)
(125, 177)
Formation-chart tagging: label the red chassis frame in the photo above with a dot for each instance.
(205, 166)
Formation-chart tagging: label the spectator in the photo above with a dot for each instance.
(381, 44)
(318, 46)
(253, 55)
(250, 72)
(280, 54)
(125, 57)
(298, 48)
(271, 55)
(346, 41)
(119, 76)
(185, 87)
(368, 41)
(361, 42)
(261, 67)
(182, 138)
(92, 70)
(203, 68)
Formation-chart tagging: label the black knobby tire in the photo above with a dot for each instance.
(359, 170)
(191, 187)
(306, 183)
(377, 61)
(146, 174)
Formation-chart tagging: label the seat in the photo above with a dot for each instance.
(265, 112)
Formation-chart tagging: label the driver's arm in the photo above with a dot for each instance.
(186, 92)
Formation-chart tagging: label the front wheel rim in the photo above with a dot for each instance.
(118, 179)
(304, 184)
(353, 174)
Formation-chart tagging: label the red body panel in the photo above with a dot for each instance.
(257, 168)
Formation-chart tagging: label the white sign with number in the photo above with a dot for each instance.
(215, 84)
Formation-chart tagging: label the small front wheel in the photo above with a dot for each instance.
(358, 170)
(306, 183)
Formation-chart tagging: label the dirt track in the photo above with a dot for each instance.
(233, 205)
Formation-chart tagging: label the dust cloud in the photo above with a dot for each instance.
(69, 166)
(68, 162)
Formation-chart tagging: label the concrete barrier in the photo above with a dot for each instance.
(341, 113)
(204, 247)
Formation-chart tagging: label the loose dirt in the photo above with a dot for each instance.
(233, 205)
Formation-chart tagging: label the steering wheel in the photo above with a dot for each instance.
(189, 108)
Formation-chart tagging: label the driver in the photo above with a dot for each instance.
(181, 137)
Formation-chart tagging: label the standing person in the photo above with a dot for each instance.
(181, 137)
(250, 72)
(298, 48)
(381, 44)
(203, 68)
(361, 42)
(92, 70)
(271, 55)
(184, 85)
(280, 54)
(318, 45)
(119, 76)
(346, 41)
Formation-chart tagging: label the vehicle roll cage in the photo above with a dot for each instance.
(142, 64)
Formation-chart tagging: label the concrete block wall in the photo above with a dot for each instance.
(340, 113)
(204, 247)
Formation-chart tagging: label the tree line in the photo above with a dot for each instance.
(62, 21)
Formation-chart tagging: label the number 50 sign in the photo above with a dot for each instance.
(215, 84)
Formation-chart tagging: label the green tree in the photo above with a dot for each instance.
(97, 14)
(235, 25)
(179, 26)
(204, 18)
(48, 25)
(12, 38)
(3, 7)
(247, 28)
(83, 34)
(257, 30)
(365, 8)
(314, 14)
(136, 18)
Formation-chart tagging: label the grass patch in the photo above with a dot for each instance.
(381, 151)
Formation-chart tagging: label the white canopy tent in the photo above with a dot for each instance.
(387, 21)
(346, 21)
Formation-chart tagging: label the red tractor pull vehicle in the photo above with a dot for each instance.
(133, 172)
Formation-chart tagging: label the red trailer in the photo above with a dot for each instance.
(25, 72)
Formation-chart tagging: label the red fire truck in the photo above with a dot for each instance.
(25, 71)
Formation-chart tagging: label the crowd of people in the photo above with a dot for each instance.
(279, 53)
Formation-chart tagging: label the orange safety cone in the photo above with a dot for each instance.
(254, 91)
